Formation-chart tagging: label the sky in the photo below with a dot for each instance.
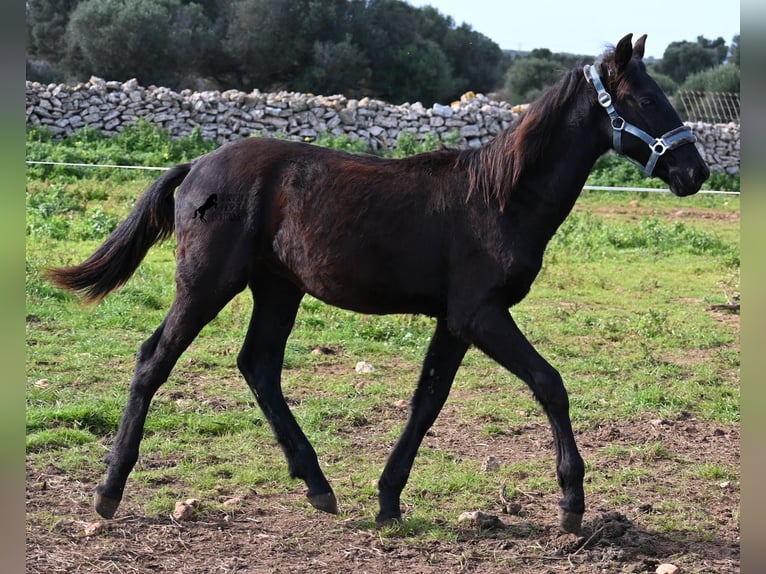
(586, 27)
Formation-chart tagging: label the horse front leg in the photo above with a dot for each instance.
(494, 331)
(445, 353)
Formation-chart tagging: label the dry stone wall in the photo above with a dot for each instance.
(110, 106)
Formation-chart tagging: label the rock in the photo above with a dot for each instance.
(402, 404)
(94, 528)
(184, 510)
(481, 519)
(322, 350)
(111, 106)
(667, 569)
(232, 502)
(490, 464)
(364, 367)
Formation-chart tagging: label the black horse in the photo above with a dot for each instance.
(456, 235)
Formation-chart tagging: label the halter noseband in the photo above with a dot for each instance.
(668, 141)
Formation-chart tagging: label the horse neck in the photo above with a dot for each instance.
(576, 142)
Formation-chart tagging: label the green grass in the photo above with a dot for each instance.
(621, 308)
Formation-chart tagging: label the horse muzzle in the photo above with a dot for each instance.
(686, 180)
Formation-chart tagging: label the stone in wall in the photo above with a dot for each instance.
(472, 121)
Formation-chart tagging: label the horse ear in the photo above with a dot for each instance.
(623, 52)
(638, 47)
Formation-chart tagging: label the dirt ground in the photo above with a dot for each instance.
(264, 534)
(268, 535)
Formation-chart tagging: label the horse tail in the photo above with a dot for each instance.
(109, 268)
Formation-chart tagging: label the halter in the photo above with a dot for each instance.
(668, 141)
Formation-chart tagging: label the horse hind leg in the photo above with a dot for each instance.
(260, 361)
(191, 310)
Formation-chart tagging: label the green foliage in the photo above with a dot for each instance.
(719, 79)
(408, 144)
(46, 27)
(338, 67)
(666, 83)
(422, 72)
(474, 59)
(682, 59)
(531, 73)
(387, 48)
(528, 77)
(722, 181)
(615, 171)
(343, 142)
(141, 144)
(152, 40)
(734, 51)
(270, 39)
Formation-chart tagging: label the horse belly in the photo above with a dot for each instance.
(355, 274)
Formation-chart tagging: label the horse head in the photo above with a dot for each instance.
(640, 121)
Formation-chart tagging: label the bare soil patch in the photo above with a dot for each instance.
(635, 211)
(283, 534)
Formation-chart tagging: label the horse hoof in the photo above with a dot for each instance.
(388, 521)
(570, 521)
(325, 502)
(105, 506)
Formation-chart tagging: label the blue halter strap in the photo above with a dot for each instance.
(668, 141)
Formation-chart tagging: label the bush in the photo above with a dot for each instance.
(719, 79)
(141, 144)
(615, 171)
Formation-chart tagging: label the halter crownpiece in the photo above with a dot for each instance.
(667, 141)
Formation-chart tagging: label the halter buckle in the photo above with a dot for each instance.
(660, 147)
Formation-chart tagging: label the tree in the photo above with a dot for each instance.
(46, 28)
(734, 51)
(422, 73)
(273, 40)
(681, 59)
(381, 48)
(154, 41)
(531, 73)
(528, 76)
(337, 68)
(475, 60)
(382, 29)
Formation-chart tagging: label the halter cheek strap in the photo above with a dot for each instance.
(658, 146)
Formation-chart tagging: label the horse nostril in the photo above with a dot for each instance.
(699, 175)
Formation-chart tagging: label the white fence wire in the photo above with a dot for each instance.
(586, 187)
(708, 107)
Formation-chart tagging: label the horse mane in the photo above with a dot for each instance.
(496, 168)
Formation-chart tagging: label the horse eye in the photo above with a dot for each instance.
(646, 102)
